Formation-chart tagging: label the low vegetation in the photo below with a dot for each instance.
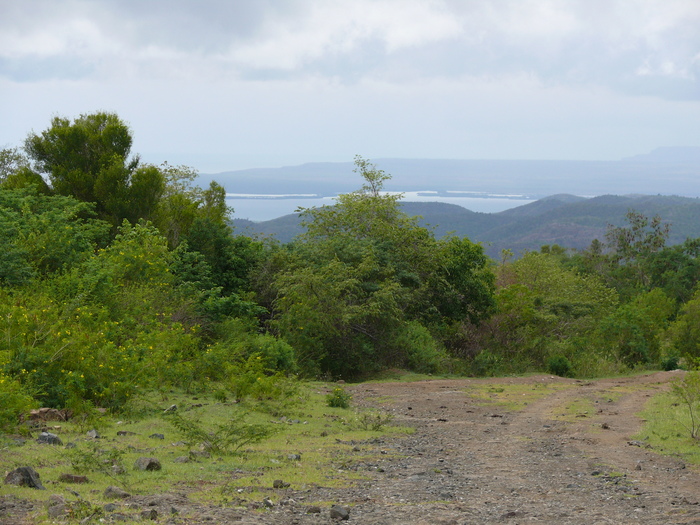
(121, 281)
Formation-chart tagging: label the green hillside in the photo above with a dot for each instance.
(567, 220)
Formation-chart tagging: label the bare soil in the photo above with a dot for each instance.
(471, 461)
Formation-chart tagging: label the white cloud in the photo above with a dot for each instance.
(486, 78)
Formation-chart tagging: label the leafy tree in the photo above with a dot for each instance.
(632, 333)
(89, 159)
(631, 246)
(42, 234)
(364, 276)
(676, 269)
(683, 335)
(543, 310)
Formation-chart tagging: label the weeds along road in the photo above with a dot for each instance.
(539, 449)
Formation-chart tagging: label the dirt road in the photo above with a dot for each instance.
(562, 454)
(476, 463)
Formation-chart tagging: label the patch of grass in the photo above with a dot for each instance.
(666, 428)
(575, 409)
(402, 376)
(513, 396)
(314, 445)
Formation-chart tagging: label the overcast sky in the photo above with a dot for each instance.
(232, 84)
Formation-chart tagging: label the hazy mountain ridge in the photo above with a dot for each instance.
(566, 220)
(664, 171)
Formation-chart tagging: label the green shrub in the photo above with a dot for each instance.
(560, 366)
(687, 391)
(223, 439)
(252, 378)
(339, 398)
(670, 362)
(371, 420)
(422, 352)
(14, 402)
(487, 364)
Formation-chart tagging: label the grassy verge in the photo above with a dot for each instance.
(309, 445)
(667, 428)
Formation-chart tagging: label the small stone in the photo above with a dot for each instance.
(199, 454)
(24, 477)
(157, 436)
(279, 484)
(110, 507)
(115, 493)
(313, 510)
(182, 459)
(55, 499)
(118, 469)
(339, 513)
(268, 503)
(93, 434)
(294, 457)
(639, 466)
(171, 408)
(57, 511)
(73, 478)
(151, 514)
(49, 439)
(147, 464)
(125, 433)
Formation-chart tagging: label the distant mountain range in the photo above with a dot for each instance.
(568, 220)
(666, 171)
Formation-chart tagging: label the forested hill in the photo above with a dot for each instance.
(567, 220)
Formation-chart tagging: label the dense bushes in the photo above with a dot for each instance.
(98, 304)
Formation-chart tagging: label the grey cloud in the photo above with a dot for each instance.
(619, 45)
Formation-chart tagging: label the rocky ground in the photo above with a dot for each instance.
(470, 462)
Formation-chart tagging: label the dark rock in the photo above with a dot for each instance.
(151, 514)
(24, 477)
(58, 511)
(55, 499)
(110, 507)
(115, 493)
(279, 484)
(313, 510)
(147, 464)
(49, 439)
(56, 506)
(339, 513)
(157, 436)
(73, 478)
